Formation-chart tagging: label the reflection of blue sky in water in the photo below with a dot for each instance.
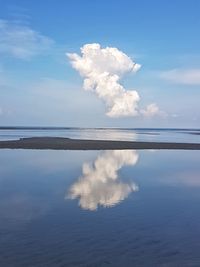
(158, 226)
(99, 184)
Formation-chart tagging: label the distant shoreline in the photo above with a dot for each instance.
(59, 143)
(95, 128)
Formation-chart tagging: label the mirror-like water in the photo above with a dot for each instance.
(129, 134)
(99, 208)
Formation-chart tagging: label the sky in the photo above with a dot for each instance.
(45, 79)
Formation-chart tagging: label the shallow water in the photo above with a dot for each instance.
(99, 208)
(123, 134)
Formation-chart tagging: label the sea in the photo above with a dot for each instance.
(137, 208)
(122, 134)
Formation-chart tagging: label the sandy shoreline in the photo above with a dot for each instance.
(58, 143)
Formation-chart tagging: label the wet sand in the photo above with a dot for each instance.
(59, 143)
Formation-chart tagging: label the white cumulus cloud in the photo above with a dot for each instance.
(99, 184)
(102, 69)
(152, 110)
(21, 41)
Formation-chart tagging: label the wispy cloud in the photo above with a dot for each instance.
(3, 77)
(182, 76)
(21, 41)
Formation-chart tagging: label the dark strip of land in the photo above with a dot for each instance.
(58, 143)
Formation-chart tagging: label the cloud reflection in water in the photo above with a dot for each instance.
(99, 184)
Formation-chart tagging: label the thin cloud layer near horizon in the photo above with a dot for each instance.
(100, 83)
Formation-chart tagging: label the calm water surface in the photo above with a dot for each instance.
(99, 208)
(124, 134)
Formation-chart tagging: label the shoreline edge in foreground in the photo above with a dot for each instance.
(60, 143)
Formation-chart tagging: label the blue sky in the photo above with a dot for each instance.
(38, 85)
